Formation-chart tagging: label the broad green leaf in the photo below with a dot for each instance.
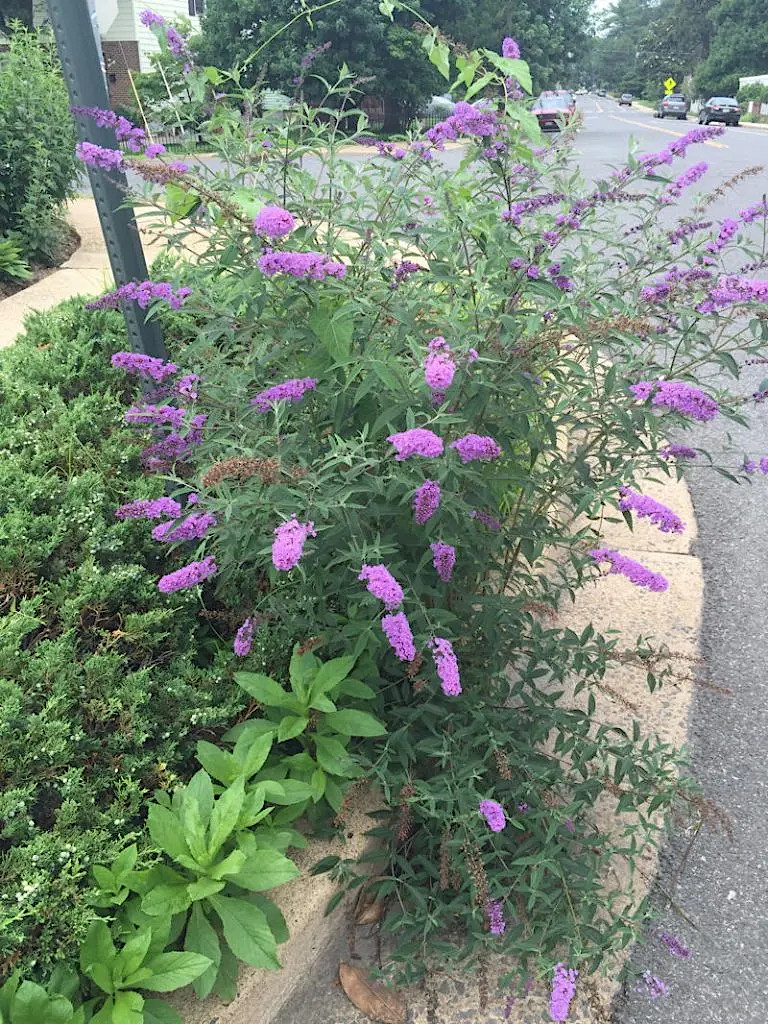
(251, 753)
(162, 900)
(104, 878)
(166, 832)
(213, 75)
(355, 688)
(274, 916)
(292, 791)
(511, 68)
(158, 1012)
(231, 864)
(203, 888)
(331, 673)
(125, 861)
(179, 202)
(247, 931)
(98, 950)
(224, 816)
(334, 794)
(132, 955)
(440, 56)
(477, 86)
(322, 703)
(128, 1008)
(265, 869)
(32, 1005)
(201, 938)
(220, 764)
(387, 8)
(300, 670)
(334, 329)
(196, 809)
(174, 970)
(291, 726)
(64, 981)
(332, 756)
(263, 689)
(248, 201)
(317, 782)
(7, 992)
(355, 723)
(225, 986)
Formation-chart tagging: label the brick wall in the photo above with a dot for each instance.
(119, 56)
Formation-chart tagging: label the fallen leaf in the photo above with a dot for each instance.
(369, 909)
(371, 997)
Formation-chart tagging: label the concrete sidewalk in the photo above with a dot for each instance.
(86, 272)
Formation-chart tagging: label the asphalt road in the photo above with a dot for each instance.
(722, 889)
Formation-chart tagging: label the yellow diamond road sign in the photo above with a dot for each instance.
(670, 84)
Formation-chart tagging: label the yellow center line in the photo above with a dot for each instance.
(667, 131)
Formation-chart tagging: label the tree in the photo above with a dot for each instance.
(739, 46)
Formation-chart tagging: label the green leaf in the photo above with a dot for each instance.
(334, 794)
(174, 970)
(166, 832)
(203, 888)
(247, 931)
(231, 864)
(7, 992)
(251, 753)
(511, 68)
(355, 723)
(98, 951)
(290, 726)
(125, 861)
(440, 56)
(331, 673)
(300, 670)
(354, 688)
(132, 955)
(249, 202)
(332, 756)
(179, 202)
(263, 689)
(225, 986)
(64, 981)
(292, 791)
(128, 1008)
(196, 809)
(274, 916)
(32, 1005)
(265, 869)
(104, 878)
(217, 762)
(158, 1012)
(166, 899)
(477, 86)
(387, 8)
(224, 816)
(201, 938)
(334, 330)
(317, 782)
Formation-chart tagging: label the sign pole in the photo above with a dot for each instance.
(81, 64)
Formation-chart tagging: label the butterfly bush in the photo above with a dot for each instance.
(454, 372)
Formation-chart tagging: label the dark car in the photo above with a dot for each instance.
(625, 100)
(554, 109)
(720, 108)
(674, 105)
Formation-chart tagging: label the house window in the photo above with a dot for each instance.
(196, 7)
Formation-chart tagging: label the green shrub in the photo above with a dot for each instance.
(38, 168)
(106, 685)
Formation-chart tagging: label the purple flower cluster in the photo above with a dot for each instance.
(443, 559)
(565, 284)
(447, 666)
(752, 213)
(673, 945)
(149, 18)
(494, 910)
(244, 638)
(482, 517)
(685, 180)
(390, 149)
(187, 385)
(677, 396)
(426, 501)
(751, 466)
(99, 156)
(514, 214)
(728, 229)
(731, 290)
(382, 584)
(677, 451)
(292, 390)
(194, 527)
(653, 986)
(563, 991)
(661, 289)
(310, 265)
(142, 293)
(177, 44)
(133, 136)
(146, 366)
(288, 545)
(648, 508)
(439, 366)
(162, 454)
(189, 576)
(402, 271)
(466, 119)
(155, 415)
(679, 146)
(510, 48)
(472, 447)
(149, 508)
(274, 222)
(417, 441)
(494, 814)
(397, 630)
(689, 228)
(634, 571)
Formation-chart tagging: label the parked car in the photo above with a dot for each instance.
(674, 105)
(720, 108)
(625, 100)
(554, 109)
(601, 92)
(581, 92)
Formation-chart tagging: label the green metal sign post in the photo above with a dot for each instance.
(80, 58)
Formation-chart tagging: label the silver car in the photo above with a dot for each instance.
(672, 106)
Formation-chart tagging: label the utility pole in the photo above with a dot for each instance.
(81, 63)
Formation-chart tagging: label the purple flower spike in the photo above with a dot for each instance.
(98, 156)
(397, 630)
(189, 576)
(510, 48)
(244, 639)
(146, 366)
(677, 396)
(644, 507)
(274, 222)
(678, 451)
(382, 584)
(439, 366)
(417, 441)
(447, 666)
(674, 946)
(634, 571)
(494, 910)
(443, 559)
(482, 517)
(563, 991)
(289, 391)
(426, 501)
(288, 545)
(653, 986)
(475, 447)
(194, 527)
(315, 266)
(494, 814)
(149, 508)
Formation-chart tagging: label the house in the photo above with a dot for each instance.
(125, 42)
